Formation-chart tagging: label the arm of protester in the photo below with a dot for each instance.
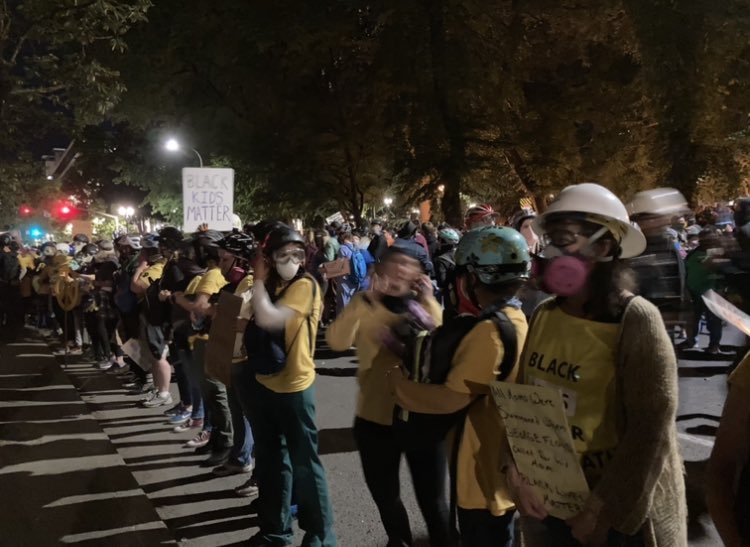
(426, 398)
(139, 284)
(621, 496)
(341, 333)
(726, 460)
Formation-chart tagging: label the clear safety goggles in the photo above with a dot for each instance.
(285, 255)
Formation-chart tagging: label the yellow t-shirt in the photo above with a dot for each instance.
(153, 272)
(190, 289)
(243, 290)
(741, 375)
(245, 285)
(360, 324)
(27, 262)
(211, 282)
(303, 297)
(480, 484)
(577, 357)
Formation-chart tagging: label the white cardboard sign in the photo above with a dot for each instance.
(207, 198)
(542, 446)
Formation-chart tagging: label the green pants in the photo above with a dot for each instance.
(286, 455)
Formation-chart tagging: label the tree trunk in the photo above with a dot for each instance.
(455, 164)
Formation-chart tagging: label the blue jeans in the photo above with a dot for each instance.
(188, 383)
(242, 449)
(286, 454)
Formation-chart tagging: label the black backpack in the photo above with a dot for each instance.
(266, 351)
(427, 357)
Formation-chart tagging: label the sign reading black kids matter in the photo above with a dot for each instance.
(207, 198)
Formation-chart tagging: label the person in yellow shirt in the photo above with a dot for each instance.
(608, 354)
(729, 498)
(361, 324)
(148, 272)
(492, 263)
(280, 344)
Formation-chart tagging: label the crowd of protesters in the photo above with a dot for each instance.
(591, 280)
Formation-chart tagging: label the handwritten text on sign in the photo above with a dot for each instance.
(207, 198)
(539, 437)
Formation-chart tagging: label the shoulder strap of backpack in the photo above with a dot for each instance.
(509, 339)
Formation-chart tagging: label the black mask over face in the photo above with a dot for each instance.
(396, 304)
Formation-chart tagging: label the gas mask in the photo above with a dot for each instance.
(563, 273)
(235, 275)
(287, 262)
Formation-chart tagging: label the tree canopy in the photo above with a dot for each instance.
(333, 105)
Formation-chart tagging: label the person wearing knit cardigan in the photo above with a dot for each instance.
(622, 392)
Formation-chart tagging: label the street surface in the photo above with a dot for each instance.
(97, 470)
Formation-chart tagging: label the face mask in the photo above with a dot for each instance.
(287, 270)
(565, 274)
(235, 275)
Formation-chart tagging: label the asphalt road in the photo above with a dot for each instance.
(201, 510)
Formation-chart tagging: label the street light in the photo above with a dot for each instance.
(387, 201)
(125, 211)
(172, 145)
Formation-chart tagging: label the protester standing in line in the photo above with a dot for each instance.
(360, 324)
(622, 396)
(728, 481)
(280, 343)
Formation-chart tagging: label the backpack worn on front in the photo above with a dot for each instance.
(428, 356)
(358, 272)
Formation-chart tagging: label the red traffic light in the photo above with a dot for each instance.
(25, 210)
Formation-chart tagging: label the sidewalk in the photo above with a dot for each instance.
(62, 479)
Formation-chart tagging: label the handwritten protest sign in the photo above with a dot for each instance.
(207, 198)
(539, 437)
(726, 311)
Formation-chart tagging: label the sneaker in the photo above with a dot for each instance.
(76, 350)
(179, 408)
(131, 383)
(247, 490)
(713, 350)
(201, 439)
(181, 418)
(142, 388)
(104, 364)
(230, 468)
(687, 344)
(190, 424)
(218, 457)
(159, 399)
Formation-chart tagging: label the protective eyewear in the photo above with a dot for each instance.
(284, 256)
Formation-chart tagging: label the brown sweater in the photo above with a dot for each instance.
(643, 486)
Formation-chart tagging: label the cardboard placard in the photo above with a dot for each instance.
(207, 198)
(221, 338)
(725, 310)
(542, 446)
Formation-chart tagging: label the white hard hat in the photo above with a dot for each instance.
(598, 205)
(63, 248)
(236, 222)
(659, 201)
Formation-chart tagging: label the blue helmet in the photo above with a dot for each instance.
(495, 254)
(449, 236)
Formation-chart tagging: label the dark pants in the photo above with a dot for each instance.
(286, 455)
(217, 408)
(242, 451)
(713, 323)
(380, 454)
(480, 528)
(100, 331)
(552, 531)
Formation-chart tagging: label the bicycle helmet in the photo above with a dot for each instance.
(449, 236)
(280, 236)
(240, 244)
(479, 215)
(495, 254)
(129, 241)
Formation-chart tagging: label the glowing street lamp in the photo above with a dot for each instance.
(126, 212)
(388, 201)
(173, 145)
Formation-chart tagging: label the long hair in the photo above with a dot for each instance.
(609, 285)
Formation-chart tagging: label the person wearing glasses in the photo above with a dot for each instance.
(280, 344)
(608, 353)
